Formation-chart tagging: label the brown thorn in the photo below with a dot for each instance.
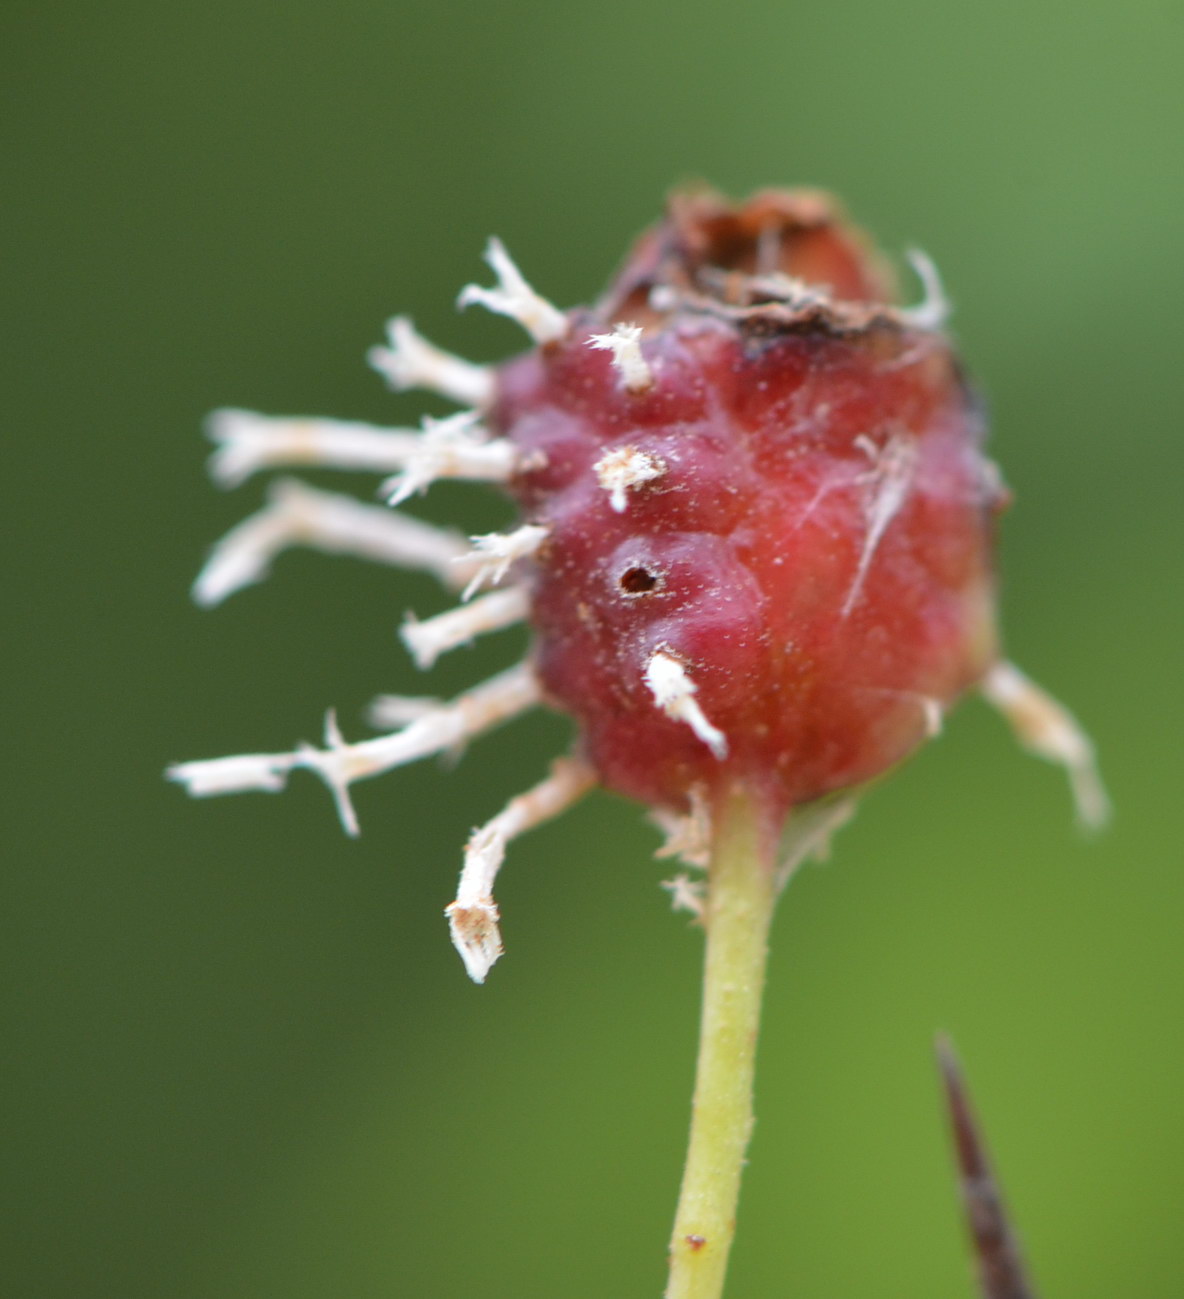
(1001, 1271)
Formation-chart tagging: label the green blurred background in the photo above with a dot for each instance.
(240, 1058)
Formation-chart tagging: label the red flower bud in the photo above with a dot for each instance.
(807, 531)
(757, 545)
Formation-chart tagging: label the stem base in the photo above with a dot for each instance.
(741, 894)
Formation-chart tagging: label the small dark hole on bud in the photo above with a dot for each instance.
(639, 581)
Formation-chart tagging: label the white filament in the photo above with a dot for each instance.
(298, 515)
(674, 693)
(456, 447)
(1047, 728)
(412, 362)
(435, 636)
(621, 470)
(513, 297)
(625, 345)
(473, 917)
(494, 553)
(248, 442)
(340, 764)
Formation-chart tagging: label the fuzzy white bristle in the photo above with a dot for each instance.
(412, 362)
(933, 310)
(624, 342)
(386, 712)
(298, 515)
(246, 771)
(809, 830)
(494, 553)
(513, 297)
(624, 469)
(686, 894)
(674, 693)
(1047, 728)
(891, 478)
(687, 836)
(427, 640)
(933, 714)
(456, 447)
(339, 764)
(248, 442)
(473, 917)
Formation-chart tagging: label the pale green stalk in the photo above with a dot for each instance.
(741, 893)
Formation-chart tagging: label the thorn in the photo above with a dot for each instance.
(625, 344)
(933, 310)
(1047, 729)
(1001, 1271)
(412, 362)
(674, 693)
(623, 468)
(513, 297)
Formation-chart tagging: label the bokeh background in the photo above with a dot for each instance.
(240, 1058)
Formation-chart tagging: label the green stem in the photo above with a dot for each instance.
(741, 892)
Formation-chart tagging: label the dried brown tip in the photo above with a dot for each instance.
(1000, 1266)
(782, 259)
